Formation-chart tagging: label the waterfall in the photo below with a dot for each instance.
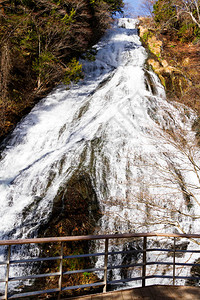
(117, 125)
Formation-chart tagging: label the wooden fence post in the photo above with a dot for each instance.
(174, 261)
(61, 271)
(144, 261)
(105, 266)
(7, 272)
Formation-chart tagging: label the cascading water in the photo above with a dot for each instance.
(116, 125)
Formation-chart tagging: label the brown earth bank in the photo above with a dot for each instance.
(177, 63)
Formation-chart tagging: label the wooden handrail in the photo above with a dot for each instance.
(106, 267)
(93, 237)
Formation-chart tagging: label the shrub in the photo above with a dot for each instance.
(73, 72)
(164, 11)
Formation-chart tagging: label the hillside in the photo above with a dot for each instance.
(176, 62)
(172, 38)
(40, 43)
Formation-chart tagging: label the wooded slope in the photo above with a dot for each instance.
(40, 43)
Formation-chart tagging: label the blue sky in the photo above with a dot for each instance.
(135, 4)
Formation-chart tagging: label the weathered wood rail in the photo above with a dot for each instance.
(8, 262)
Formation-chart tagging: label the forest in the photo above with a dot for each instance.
(40, 43)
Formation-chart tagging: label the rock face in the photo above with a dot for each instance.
(75, 210)
(175, 62)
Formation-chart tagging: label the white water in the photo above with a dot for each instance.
(115, 127)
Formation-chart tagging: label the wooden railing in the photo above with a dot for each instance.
(105, 282)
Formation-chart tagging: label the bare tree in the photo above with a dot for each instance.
(146, 7)
(128, 11)
(190, 8)
(163, 191)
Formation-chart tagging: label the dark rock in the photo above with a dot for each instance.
(75, 212)
(75, 209)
